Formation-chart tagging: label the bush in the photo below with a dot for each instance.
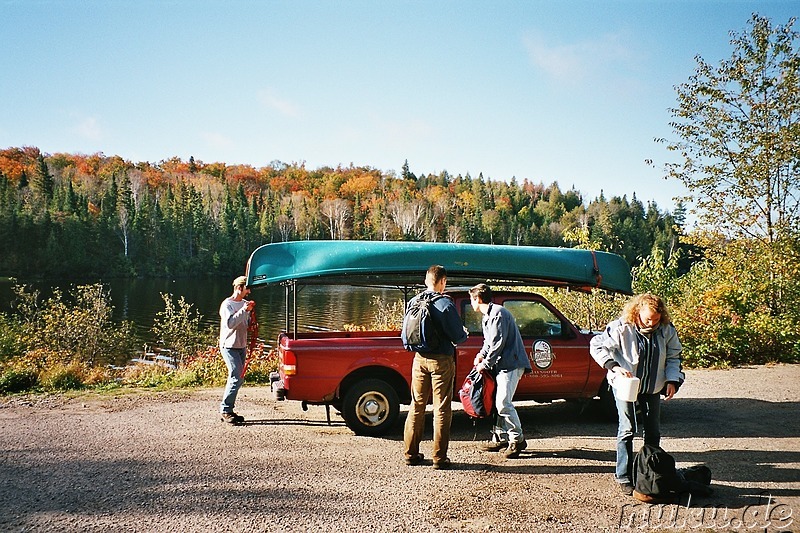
(79, 323)
(178, 328)
(13, 380)
(148, 376)
(209, 368)
(10, 337)
(63, 377)
(388, 316)
(726, 312)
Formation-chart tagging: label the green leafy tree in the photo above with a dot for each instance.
(738, 137)
(739, 130)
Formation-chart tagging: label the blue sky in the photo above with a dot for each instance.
(566, 91)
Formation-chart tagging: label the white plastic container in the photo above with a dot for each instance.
(626, 389)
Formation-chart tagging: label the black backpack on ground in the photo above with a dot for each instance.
(696, 480)
(655, 478)
(420, 332)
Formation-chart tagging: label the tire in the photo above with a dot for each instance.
(371, 407)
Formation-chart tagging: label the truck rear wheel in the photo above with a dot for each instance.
(371, 407)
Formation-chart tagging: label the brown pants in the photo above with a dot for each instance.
(430, 373)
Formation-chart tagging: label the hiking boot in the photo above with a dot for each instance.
(415, 460)
(514, 448)
(493, 445)
(627, 488)
(232, 418)
(442, 464)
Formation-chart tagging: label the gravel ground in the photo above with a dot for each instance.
(164, 462)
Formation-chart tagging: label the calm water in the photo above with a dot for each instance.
(318, 307)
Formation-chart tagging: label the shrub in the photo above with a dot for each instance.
(657, 275)
(261, 364)
(178, 328)
(10, 337)
(726, 313)
(208, 367)
(14, 380)
(147, 376)
(62, 377)
(79, 324)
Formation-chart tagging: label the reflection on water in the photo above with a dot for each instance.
(139, 300)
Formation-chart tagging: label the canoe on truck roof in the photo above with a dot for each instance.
(404, 262)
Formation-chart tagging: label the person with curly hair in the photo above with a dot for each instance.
(643, 343)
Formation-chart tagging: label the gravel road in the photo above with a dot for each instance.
(164, 462)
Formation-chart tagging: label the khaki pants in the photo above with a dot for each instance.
(430, 373)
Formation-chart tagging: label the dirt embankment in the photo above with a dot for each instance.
(164, 462)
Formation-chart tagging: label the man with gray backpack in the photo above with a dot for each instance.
(431, 329)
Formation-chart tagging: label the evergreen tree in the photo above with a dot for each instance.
(43, 181)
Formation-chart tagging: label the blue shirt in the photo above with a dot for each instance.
(502, 348)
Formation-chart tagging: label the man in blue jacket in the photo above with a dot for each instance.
(434, 372)
(503, 353)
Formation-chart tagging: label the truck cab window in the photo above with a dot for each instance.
(534, 319)
(472, 319)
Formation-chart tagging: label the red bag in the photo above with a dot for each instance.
(477, 393)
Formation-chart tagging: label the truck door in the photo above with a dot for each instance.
(558, 356)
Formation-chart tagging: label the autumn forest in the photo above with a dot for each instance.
(77, 216)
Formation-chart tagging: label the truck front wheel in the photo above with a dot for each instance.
(371, 407)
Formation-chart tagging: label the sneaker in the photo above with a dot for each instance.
(493, 445)
(627, 488)
(514, 449)
(442, 464)
(415, 460)
(231, 418)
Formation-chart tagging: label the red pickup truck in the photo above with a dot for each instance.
(366, 374)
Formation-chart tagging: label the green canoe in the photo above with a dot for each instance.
(402, 262)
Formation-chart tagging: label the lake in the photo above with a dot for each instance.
(138, 300)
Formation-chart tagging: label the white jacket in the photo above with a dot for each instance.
(234, 318)
(619, 343)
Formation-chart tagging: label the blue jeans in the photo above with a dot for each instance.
(234, 360)
(650, 405)
(508, 427)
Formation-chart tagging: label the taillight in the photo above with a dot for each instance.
(288, 363)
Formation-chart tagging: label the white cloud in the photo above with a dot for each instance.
(217, 140)
(404, 132)
(579, 61)
(271, 101)
(89, 128)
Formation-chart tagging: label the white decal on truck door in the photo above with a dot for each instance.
(542, 355)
